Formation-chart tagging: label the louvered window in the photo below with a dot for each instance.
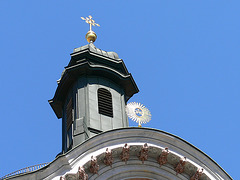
(69, 114)
(105, 102)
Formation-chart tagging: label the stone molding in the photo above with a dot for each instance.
(132, 167)
(157, 142)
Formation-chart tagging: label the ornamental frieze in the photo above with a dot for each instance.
(142, 153)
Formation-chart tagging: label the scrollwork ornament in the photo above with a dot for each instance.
(82, 175)
(125, 154)
(94, 167)
(108, 159)
(198, 174)
(143, 154)
(163, 157)
(180, 167)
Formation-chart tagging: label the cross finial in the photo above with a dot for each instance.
(90, 36)
(90, 21)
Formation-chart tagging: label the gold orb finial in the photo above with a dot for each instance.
(91, 35)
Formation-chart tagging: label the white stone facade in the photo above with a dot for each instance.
(138, 166)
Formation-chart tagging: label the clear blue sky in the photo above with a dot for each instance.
(184, 56)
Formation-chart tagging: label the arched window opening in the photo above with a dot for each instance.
(105, 102)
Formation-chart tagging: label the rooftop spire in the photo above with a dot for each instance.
(91, 35)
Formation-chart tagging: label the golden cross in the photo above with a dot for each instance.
(90, 21)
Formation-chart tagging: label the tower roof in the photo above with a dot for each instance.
(91, 61)
(92, 48)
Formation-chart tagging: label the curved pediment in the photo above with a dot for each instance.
(101, 157)
(184, 161)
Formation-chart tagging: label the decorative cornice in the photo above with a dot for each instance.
(125, 145)
(166, 158)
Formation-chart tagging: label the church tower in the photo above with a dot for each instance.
(92, 93)
(97, 143)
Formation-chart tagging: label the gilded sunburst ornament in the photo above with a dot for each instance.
(138, 113)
